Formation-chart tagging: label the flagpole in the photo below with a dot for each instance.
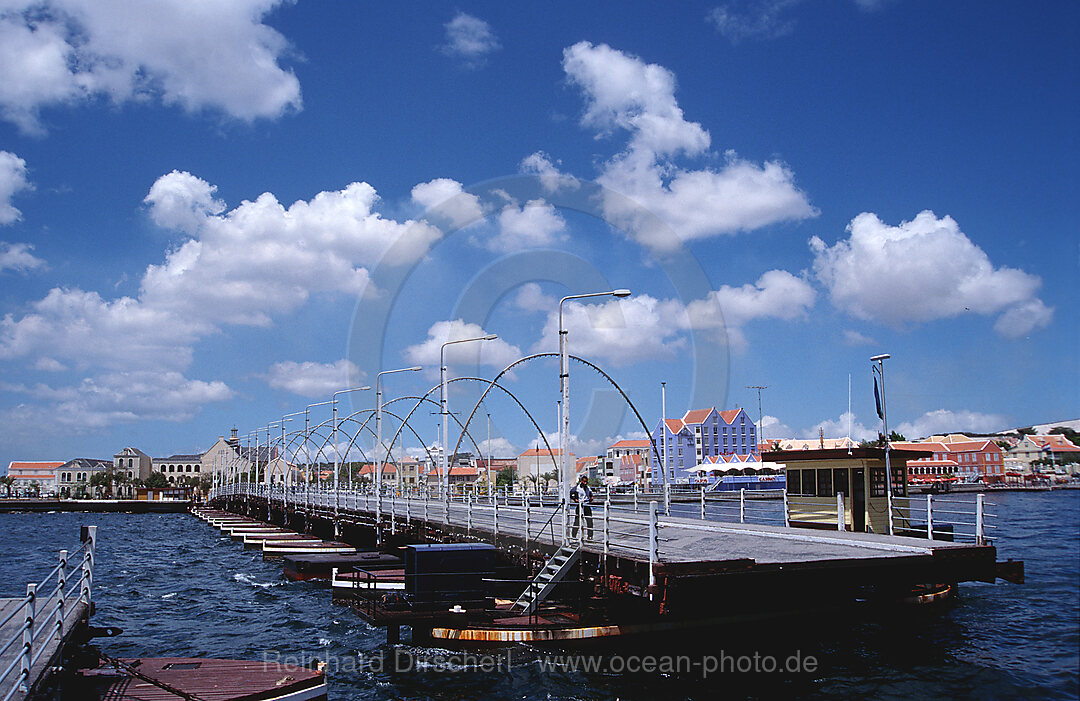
(879, 369)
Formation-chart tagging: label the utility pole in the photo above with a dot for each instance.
(760, 418)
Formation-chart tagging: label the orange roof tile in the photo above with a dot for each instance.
(729, 415)
(696, 416)
(628, 443)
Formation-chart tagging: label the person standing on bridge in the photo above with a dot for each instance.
(581, 498)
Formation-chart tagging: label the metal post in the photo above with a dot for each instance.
(28, 637)
(787, 511)
(496, 521)
(702, 502)
(635, 497)
(980, 538)
(468, 523)
(393, 515)
(742, 504)
(88, 565)
(61, 593)
(840, 512)
(654, 544)
(607, 527)
(528, 509)
(667, 499)
(929, 516)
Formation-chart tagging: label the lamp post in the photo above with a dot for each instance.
(253, 475)
(285, 479)
(564, 388)
(378, 472)
(879, 370)
(337, 457)
(307, 451)
(269, 476)
(445, 411)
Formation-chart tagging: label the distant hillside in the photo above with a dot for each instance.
(1042, 429)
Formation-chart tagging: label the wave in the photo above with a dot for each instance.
(248, 579)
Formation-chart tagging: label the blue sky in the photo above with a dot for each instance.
(211, 217)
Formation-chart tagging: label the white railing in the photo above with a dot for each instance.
(44, 614)
(954, 518)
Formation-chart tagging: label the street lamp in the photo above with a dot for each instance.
(377, 474)
(307, 450)
(445, 459)
(285, 479)
(879, 371)
(337, 458)
(564, 387)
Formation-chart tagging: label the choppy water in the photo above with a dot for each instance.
(178, 588)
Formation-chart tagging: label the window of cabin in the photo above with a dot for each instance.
(840, 480)
(794, 481)
(824, 483)
(877, 481)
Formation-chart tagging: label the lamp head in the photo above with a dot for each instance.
(883, 356)
(620, 293)
(415, 368)
(490, 337)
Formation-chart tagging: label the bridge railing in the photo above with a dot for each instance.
(44, 612)
(954, 518)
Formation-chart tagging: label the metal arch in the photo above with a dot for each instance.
(603, 374)
(404, 422)
(352, 441)
(464, 431)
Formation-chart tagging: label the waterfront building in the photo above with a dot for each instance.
(968, 460)
(701, 434)
(1031, 448)
(534, 462)
(807, 444)
(133, 464)
(27, 474)
(179, 465)
(74, 475)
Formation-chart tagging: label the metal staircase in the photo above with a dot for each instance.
(557, 566)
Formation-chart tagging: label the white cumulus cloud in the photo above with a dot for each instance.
(759, 19)
(626, 94)
(261, 257)
(17, 256)
(12, 180)
(310, 379)
(494, 353)
(210, 55)
(921, 270)
(551, 178)
(446, 201)
(839, 427)
(942, 421)
(536, 224)
(470, 39)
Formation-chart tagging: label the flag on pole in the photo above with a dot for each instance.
(877, 401)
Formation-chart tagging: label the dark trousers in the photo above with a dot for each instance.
(582, 511)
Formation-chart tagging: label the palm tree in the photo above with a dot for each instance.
(9, 482)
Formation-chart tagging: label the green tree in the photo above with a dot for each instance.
(156, 480)
(504, 477)
(7, 481)
(101, 482)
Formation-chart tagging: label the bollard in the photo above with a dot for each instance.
(929, 516)
(742, 505)
(980, 538)
(840, 512)
(702, 502)
(635, 497)
(495, 525)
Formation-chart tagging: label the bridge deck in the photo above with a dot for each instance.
(681, 539)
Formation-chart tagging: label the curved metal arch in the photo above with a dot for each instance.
(404, 422)
(464, 430)
(352, 416)
(603, 374)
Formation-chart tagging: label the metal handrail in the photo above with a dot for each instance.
(50, 620)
